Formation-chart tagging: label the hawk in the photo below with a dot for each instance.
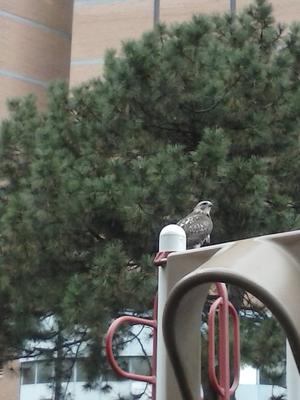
(198, 225)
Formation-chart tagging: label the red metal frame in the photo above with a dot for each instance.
(160, 258)
(225, 308)
(109, 347)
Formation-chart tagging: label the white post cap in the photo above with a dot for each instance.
(172, 238)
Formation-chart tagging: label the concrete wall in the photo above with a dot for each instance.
(35, 46)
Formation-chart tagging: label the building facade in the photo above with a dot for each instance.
(46, 40)
(35, 47)
(10, 381)
(37, 374)
(36, 377)
(102, 24)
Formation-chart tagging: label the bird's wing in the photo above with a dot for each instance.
(197, 228)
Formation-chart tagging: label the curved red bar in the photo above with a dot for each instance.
(236, 348)
(225, 308)
(109, 347)
(211, 347)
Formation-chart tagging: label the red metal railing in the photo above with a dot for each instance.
(109, 347)
(223, 387)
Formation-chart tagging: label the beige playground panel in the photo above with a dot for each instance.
(266, 266)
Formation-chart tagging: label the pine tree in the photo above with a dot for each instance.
(208, 109)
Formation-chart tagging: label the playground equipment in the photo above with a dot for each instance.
(266, 266)
(109, 347)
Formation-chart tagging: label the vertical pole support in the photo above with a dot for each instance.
(156, 12)
(292, 375)
(172, 238)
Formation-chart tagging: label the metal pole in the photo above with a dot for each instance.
(232, 6)
(172, 238)
(292, 375)
(156, 8)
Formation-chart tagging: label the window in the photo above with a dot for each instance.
(68, 370)
(42, 371)
(28, 373)
(135, 364)
(273, 376)
(140, 365)
(45, 371)
(81, 375)
(111, 376)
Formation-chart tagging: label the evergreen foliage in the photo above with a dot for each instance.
(208, 109)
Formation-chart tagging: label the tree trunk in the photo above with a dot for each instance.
(58, 367)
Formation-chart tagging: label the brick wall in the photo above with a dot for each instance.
(99, 25)
(35, 46)
(10, 381)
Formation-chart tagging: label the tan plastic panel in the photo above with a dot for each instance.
(266, 266)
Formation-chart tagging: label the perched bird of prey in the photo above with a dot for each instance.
(198, 225)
